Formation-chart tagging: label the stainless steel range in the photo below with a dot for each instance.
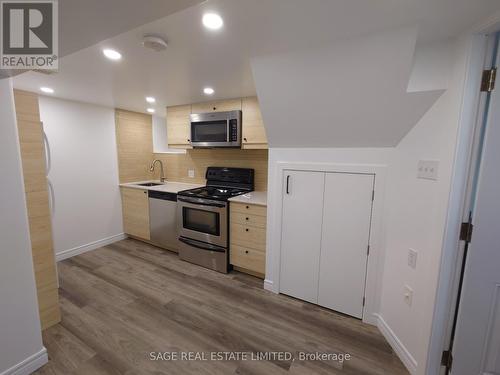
(203, 216)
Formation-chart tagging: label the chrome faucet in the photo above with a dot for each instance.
(152, 169)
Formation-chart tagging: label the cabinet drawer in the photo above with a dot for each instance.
(247, 236)
(249, 208)
(250, 259)
(248, 219)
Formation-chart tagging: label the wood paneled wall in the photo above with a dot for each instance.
(177, 165)
(134, 140)
(37, 200)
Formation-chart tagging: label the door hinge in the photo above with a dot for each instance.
(466, 232)
(373, 195)
(447, 359)
(368, 250)
(364, 300)
(488, 80)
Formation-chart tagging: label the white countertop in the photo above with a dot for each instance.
(167, 186)
(254, 197)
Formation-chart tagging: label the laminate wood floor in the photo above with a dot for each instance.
(122, 302)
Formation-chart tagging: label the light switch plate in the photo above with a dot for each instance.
(412, 258)
(408, 295)
(428, 169)
(191, 173)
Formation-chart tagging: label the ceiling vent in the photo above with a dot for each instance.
(154, 42)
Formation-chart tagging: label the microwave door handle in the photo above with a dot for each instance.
(204, 246)
(228, 130)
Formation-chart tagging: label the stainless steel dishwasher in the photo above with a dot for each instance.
(163, 219)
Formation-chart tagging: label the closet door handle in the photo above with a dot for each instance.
(288, 184)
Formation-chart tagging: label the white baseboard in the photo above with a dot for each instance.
(371, 319)
(65, 254)
(29, 365)
(396, 344)
(268, 285)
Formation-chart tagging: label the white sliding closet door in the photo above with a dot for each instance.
(344, 241)
(301, 234)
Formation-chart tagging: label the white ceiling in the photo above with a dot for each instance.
(85, 23)
(197, 57)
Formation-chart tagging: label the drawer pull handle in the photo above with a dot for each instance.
(246, 218)
(246, 251)
(248, 207)
(246, 229)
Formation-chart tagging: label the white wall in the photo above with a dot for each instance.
(20, 339)
(83, 171)
(415, 210)
(416, 218)
(431, 65)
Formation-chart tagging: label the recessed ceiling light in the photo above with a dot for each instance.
(212, 21)
(208, 90)
(151, 110)
(112, 54)
(47, 90)
(150, 99)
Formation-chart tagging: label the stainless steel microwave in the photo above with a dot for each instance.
(216, 129)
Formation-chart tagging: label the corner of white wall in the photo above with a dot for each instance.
(416, 218)
(22, 351)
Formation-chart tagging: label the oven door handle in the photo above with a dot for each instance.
(202, 204)
(201, 246)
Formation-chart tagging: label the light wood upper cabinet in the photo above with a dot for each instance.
(254, 132)
(217, 106)
(178, 126)
(135, 204)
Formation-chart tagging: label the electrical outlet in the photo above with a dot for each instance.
(428, 169)
(408, 295)
(191, 173)
(412, 258)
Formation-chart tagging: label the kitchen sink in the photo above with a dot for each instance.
(150, 184)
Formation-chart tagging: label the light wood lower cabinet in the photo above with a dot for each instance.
(248, 259)
(31, 142)
(247, 249)
(135, 203)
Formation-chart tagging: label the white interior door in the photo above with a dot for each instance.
(301, 233)
(476, 348)
(344, 244)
